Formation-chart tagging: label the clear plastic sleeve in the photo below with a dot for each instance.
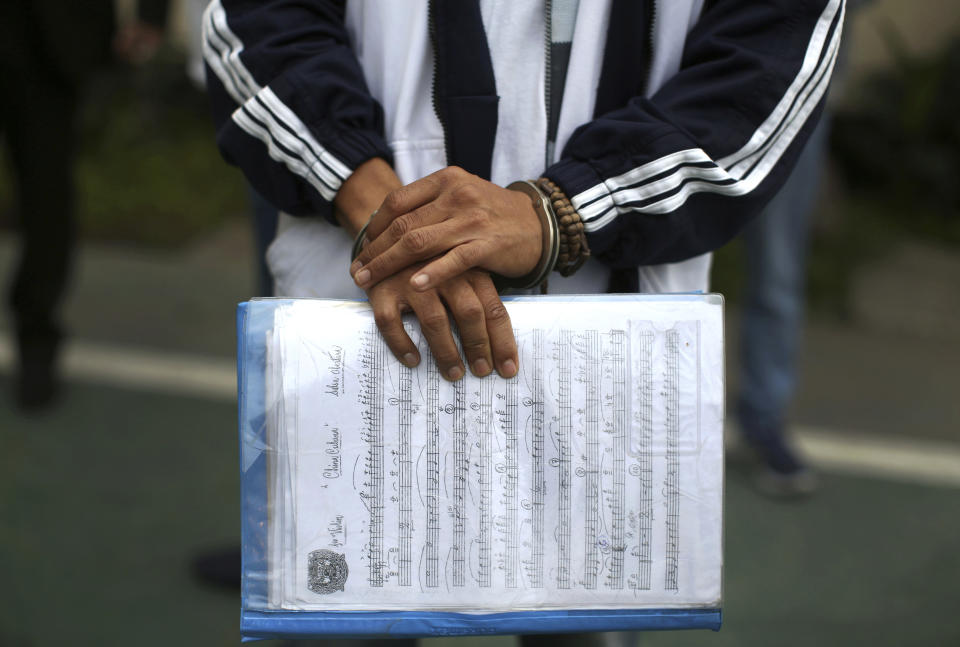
(583, 494)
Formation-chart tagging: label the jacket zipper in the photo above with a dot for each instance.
(651, 10)
(548, 79)
(651, 6)
(432, 28)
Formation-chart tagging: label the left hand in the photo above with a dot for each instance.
(465, 221)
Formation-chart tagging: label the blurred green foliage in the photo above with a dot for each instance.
(898, 143)
(148, 170)
(894, 174)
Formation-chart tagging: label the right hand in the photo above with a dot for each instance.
(456, 221)
(485, 331)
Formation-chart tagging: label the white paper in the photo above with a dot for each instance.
(593, 479)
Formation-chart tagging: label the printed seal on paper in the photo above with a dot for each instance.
(326, 571)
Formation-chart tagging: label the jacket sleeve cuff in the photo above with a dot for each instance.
(584, 187)
(298, 161)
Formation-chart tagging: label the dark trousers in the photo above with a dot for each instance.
(37, 121)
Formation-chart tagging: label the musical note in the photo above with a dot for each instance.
(671, 393)
(372, 361)
(564, 349)
(432, 556)
(591, 352)
(461, 474)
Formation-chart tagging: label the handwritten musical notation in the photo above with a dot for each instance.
(432, 544)
(590, 471)
(461, 474)
(671, 484)
(507, 415)
(570, 478)
(538, 486)
(618, 427)
(643, 453)
(484, 465)
(404, 473)
(564, 438)
(371, 380)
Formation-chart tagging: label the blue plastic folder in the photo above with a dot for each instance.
(633, 404)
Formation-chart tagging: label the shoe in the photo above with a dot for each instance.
(782, 472)
(219, 568)
(38, 384)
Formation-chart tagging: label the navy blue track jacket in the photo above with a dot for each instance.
(656, 178)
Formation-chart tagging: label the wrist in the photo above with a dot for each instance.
(574, 250)
(363, 192)
(549, 241)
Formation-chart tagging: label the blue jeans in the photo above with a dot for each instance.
(776, 252)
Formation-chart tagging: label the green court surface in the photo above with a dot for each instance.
(103, 502)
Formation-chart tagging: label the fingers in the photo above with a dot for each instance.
(404, 200)
(468, 313)
(435, 325)
(499, 330)
(405, 229)
(417, 245)
(386, 312)
(486, 333)
(454, 263)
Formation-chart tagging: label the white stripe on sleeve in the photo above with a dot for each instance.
(287, 138)
(600, 204)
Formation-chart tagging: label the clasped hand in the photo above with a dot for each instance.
(434, 243)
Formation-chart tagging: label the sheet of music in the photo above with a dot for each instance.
(592, 479)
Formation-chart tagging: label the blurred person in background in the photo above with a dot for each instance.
(776, 246)
(48, 50)
(138, 40)
(137, 43)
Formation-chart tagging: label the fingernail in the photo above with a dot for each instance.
(454, 373)
(420, 280)
(410, 359)
(509, 368)
(362, 277)
(481, 367)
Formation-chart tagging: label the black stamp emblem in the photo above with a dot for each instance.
(326, 571)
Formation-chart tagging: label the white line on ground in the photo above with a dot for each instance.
(140, 369)
(899, 459)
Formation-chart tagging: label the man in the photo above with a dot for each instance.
(48, 50)
(662, 127)
(678, 121)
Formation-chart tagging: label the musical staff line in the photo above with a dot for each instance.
(538, 484)
(671, 395)
(372, 395)
(461, 472)
(405, 477)
(508, 421)
(591, 469)
(617, 358)
(433, 475)
(485, 467)
(564, 433)
(645, 513)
